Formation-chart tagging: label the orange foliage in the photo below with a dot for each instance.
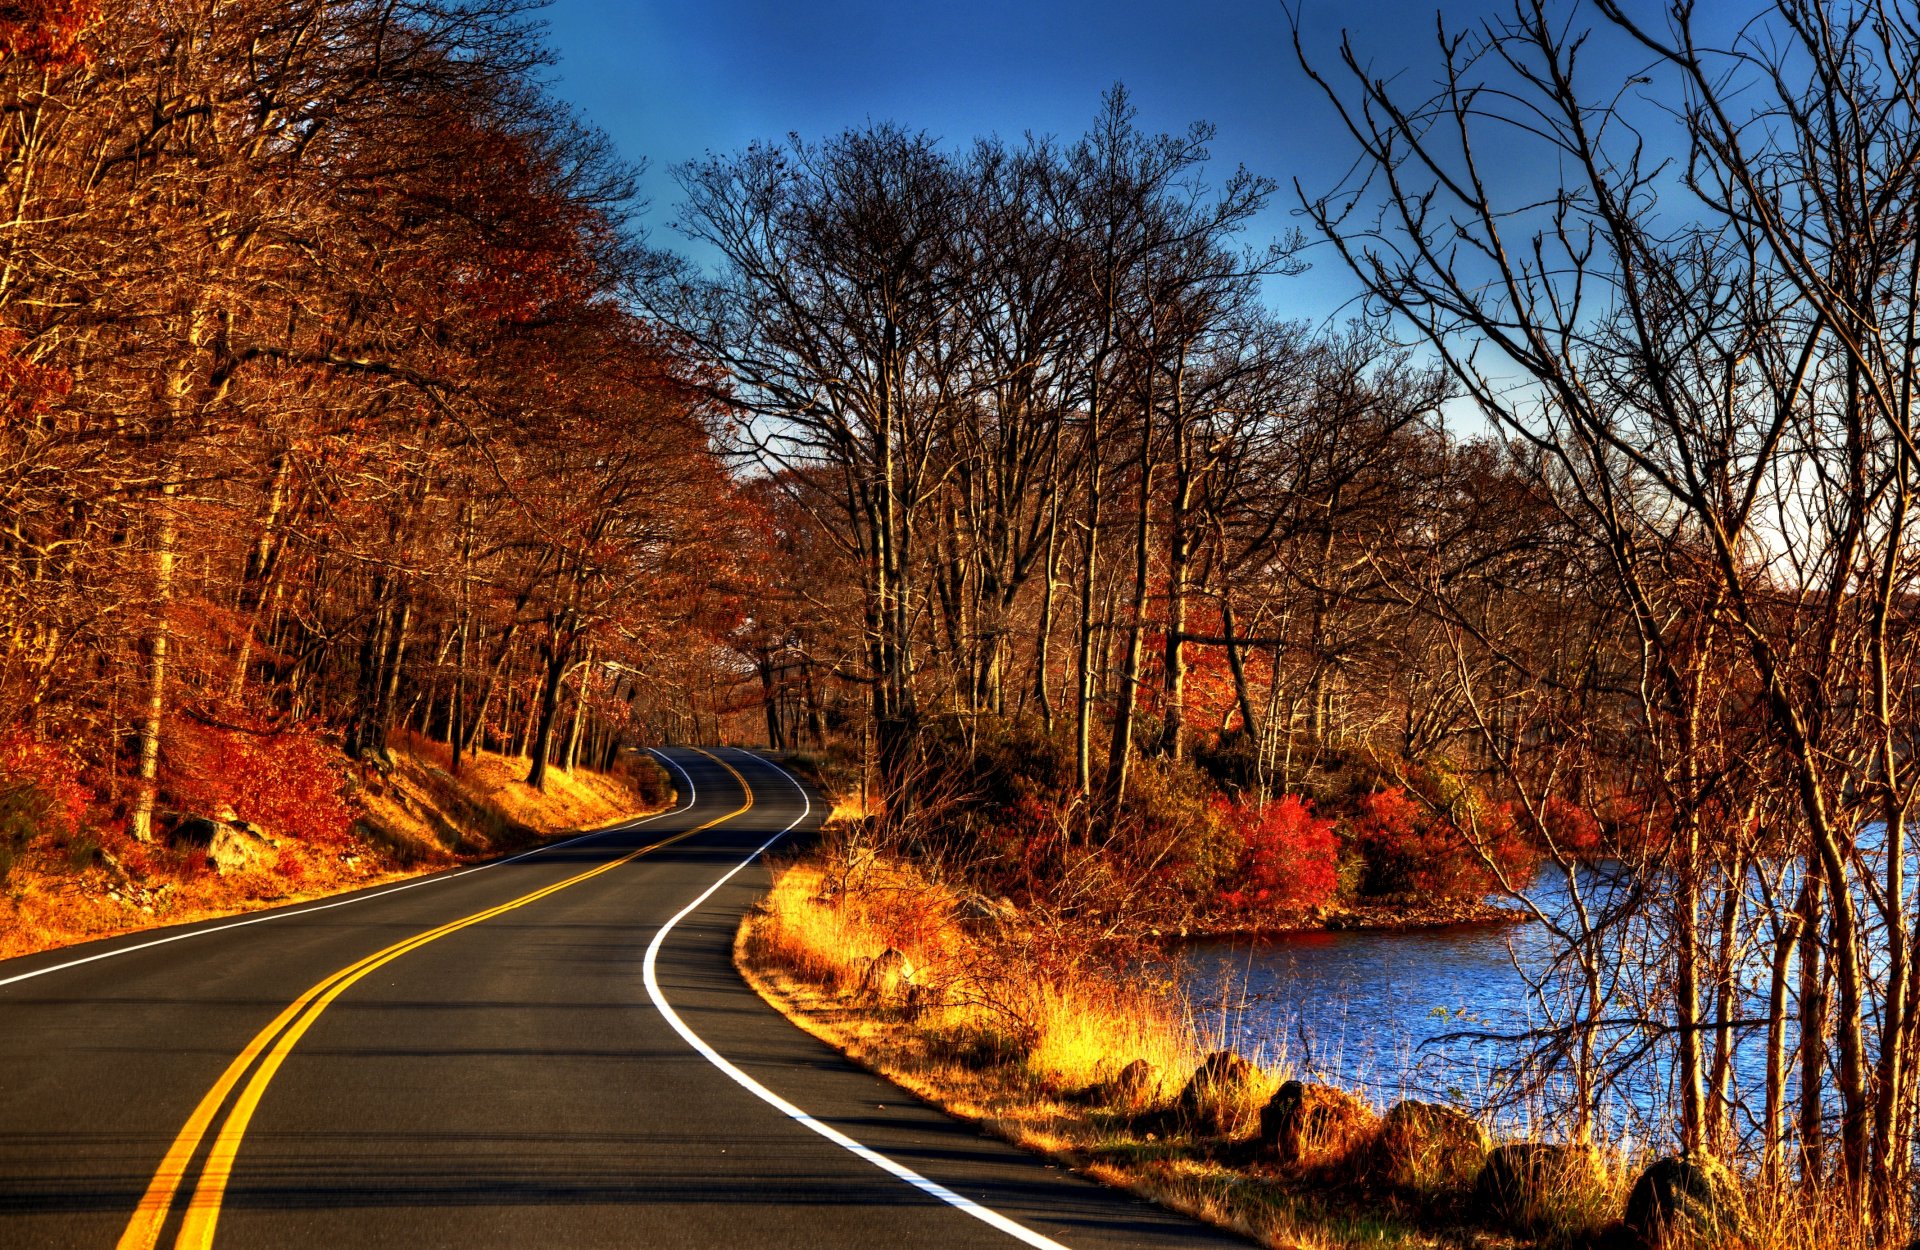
(284, 780)
(1411, 846)
(44, 781)
(45, 33)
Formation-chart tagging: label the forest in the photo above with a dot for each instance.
(347, 403)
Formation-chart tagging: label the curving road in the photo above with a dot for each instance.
(548, 1050)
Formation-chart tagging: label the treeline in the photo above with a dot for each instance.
(323, 415)
(1065, 506)
(1034, 399)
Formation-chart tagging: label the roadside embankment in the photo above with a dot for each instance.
(1021, 1025)
(412, 816)
(1025, 1030)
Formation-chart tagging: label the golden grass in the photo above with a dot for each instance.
(998, 1038)
(417, 818)
(1000, 1041)
(1069, 1032)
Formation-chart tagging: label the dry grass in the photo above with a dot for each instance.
(417, 818)
(994, 1040)
(998, 1034)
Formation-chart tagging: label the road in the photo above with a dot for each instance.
(549, 1050)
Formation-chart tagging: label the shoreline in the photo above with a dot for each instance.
(895, 973)
(1362, 918)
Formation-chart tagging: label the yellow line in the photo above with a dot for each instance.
(203, 1210)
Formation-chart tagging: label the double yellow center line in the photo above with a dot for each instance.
(276, 1040)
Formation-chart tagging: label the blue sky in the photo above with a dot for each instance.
(669, 81)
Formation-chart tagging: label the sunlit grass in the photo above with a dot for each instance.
(1018, 1052)
(1025, 1054)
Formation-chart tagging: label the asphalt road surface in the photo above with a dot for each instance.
(549, 1050)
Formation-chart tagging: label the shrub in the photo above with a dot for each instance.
(285, 780)
(1572, 828)
(1289, 859)
(41, 795)
(643, 775)
(1412, 846)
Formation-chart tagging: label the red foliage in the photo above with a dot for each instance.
(287, 780)
(26, 388)
(1410, 847)
(46, 33)
(47, 776)
(1289, 858)
(1573, 829)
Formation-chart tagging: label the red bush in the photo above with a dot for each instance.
(1289, 858)
(285, 780)
(43, 783)
(1572, 828)
(1410, 848)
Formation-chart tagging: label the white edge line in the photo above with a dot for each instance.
(985, 1215)
(283, 914)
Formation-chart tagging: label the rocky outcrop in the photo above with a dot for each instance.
(1315, 1126)
(1427, 1147)
(1685, 1201)
(232, 848)
(1220, 1096)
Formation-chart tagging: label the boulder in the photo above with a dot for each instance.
(234, 848)
(1312, 1126)
(256, 832)
(1219, 1096)
(1133, 1088)
(886, 979)
(191, 830)
(1522, 1182)
(1685, 1201)
(1427, 1147)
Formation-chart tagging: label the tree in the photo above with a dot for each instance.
(1717, 394)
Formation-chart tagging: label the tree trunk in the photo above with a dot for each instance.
(546, 707)
(154, 701)
(1120, 745)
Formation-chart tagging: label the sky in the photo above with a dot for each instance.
(671, 81)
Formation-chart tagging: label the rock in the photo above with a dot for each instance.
(886, 978)
(1523, 1181)
(193, 831)
(234, 849)
(1132, 1088)
(1219, 1096)
(1312, 1126)
(255, 832)
(1425, 1146)
(1685, 1201)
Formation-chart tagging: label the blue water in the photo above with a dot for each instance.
(1368, 1009)
(1387, 1012)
